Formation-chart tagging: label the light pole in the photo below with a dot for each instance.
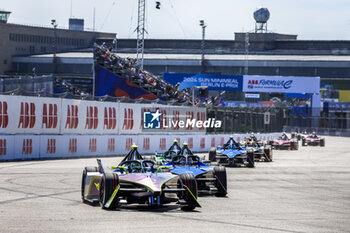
(54, 24)
(247, 44)
(203, 25)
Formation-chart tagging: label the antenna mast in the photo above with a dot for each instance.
(140, 32)
(71, 8)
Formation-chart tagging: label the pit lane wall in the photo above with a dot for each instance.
(43, 128)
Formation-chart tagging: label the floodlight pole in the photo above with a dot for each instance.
(140, 32)
(54, 24)
(202, 24)
(246, 65)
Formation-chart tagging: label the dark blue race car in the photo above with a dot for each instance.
(232, 154)
(209, 179)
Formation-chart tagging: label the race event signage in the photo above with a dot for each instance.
(212, 81)
(281, 84)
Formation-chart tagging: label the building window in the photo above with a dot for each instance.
(31, 49)
(5, 62)
(43, 49)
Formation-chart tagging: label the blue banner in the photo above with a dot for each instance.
(108, 83)
(212, 81)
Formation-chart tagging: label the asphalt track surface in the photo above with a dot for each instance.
(301, 191)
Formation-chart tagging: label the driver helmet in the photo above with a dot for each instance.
(175, 141)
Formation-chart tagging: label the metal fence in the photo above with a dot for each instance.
(245, 120)
(336, 123)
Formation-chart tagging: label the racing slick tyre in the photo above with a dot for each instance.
(303, 142)
(268, 154)
(212, 154)
(109, 183)
(250, 158)
(322, 142)
(190, 182)
(295, 145)
(85, 171)
(221, 181)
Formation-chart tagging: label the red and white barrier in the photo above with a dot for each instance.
(40, 128)
(25, 147)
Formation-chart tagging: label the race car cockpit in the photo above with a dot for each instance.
(231, 144)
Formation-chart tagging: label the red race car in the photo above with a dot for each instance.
(312, 140)
(284, 143)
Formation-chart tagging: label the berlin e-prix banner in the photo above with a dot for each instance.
(246, 83)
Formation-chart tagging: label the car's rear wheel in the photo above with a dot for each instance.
(189, 181)
(221, 181)
(295, 145)
(268, 154)
(212, 154)
(83, 180)
(250, 158)
(109, 183)
(322, 142)
(303, 142)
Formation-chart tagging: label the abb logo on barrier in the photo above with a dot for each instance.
(91, 117)
(176, 118)
(27, 147)
(3, 148)
(162, 144)
(72, 117)
(201, 117)
(27, 116)
(190, 143)
(202, 143)
(222, 141)
(110, 118)
(92, 145)
(51, 146)
(213, 142)
(189, 117)
(49, 116)
(146, 144)
(142, 112)
(73, 145)
(128, 119)
(128, 143)
(4, 117)
(111, 145)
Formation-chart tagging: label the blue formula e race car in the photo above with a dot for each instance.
(210, 180)
(232, 154)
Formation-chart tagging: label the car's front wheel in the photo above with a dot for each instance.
(109, 183)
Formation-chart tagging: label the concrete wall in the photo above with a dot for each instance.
(25, 40)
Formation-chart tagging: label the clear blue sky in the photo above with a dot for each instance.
(310, 19)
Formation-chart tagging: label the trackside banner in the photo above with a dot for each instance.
(281, 84)
(212, 81)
